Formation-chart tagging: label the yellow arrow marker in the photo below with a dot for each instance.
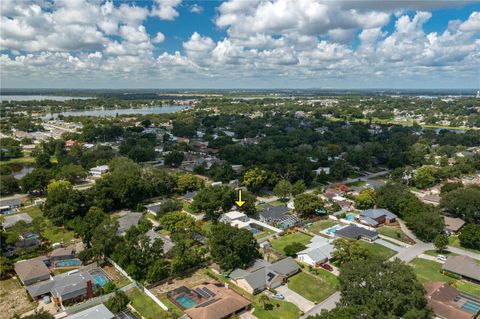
(239, 202)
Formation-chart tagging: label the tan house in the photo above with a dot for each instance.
(447, 302)
(32, 271)
(453, 224)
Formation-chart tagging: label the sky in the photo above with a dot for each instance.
(240, 44)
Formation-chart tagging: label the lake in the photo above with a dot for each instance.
(41, 97)
(114, 112)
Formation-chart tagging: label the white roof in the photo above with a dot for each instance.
(100, 168)
(239, 224)
(234, 215)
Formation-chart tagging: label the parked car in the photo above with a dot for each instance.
(278, 296)
(326, 267)
(442, 258)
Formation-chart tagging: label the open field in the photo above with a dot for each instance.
(285, 240)
(428, 270)
(13, 299)
(314, 288)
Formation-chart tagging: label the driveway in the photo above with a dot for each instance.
(410, 253)
(302, 303)
(327, 304)
(389, 245)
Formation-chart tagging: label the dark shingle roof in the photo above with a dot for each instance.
(273, 212)
(355, 232)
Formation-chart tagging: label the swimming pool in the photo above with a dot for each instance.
(350, 217)
(254, 231)
(100, 280)
(68, 263)
(185, 301)
(471, 307)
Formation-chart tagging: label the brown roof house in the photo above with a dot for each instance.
(453, 224)
(464, 266)
(218, 302)
(32, 271)
(449, 303)
(68, 252)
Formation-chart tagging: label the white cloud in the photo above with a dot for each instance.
(159, 38)
(165, 9)
(196, 8)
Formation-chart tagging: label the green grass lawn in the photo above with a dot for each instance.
(171, 306)
(265, 233)
(19, 160)
(455, 242)
(428, 270)
(280, 243)
(314, 288)
(144, 305)
(51, 232)
(394, 232)
(320, 225)
(377, 249)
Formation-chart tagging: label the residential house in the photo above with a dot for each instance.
(319, 170)
(9, 204)
(238, 169)
(447, 302)
(189, 196)
(128, 220)
(453, 225)
(353, 231)
(236, 219)
(32, 271)
(263, 275)
(272, 214)
(318, 251)
(99, 170)
(463, 266)
(96, 312)
(11, 220)
(154, 208)
(65, 253)
(28, 240)
(377, 216)
(65, 288)
(168, 244)
(218, 302)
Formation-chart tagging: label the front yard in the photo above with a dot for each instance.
(377, 249)
(394, 232)
(428, 270)
(314, 288)
(13, 299)
(279, 244)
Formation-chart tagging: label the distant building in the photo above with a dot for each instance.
(168, 244)
(448, 303)
(11, 220)
(96, 312)
(99, 170)
(189, 196)
(452, 224)
(377, 216)
(28, 240)
(127, 221)
(9, 204)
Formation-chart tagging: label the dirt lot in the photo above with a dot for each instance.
(13, 299)
(117, 277)
(194, 279)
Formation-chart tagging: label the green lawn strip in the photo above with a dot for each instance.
(455, 242)
(320, 225)
(393, 232)
(280, 243)
(435, 253)
(171, 306)
(314, 288)
(19, 160)
(144, 305)
(428, 270)
(265, 233)
(377, 249)
(280, 309)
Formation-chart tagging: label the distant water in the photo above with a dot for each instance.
(41, 98)
(114, 112)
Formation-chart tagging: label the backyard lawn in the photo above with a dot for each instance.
(51, 232)
(377, 249)
(428, 270)
(394, 232)
(280, 243)
(144, 305)
(314, 288)
(320, 225)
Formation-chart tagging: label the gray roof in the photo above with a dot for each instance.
(129, 220)
(97, 312)
(238, 273)
(167, 242)
(315, 254)
(463, 265)
(189, 195)
(11, 202)
(285, 266)
(11, 220)
(72, 284)
(154, 208)
(378, 212)
(273, 212)
(369, 221)
(355, 232)
(31, 269)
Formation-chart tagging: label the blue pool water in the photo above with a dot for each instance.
(100, 280)
(350, 217)
(185, 301)
(471, 307)
(68, 263)
(254, 231)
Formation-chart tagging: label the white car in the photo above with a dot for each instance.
(442, 258)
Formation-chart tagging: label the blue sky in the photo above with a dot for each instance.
(240, 43)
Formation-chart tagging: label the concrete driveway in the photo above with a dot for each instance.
(387, 244)
(327, 304)
(301, 302)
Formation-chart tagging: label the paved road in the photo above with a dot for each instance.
(327, 304)
(301, 302)
(389, 245)
(412, 252)
(461, 251)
